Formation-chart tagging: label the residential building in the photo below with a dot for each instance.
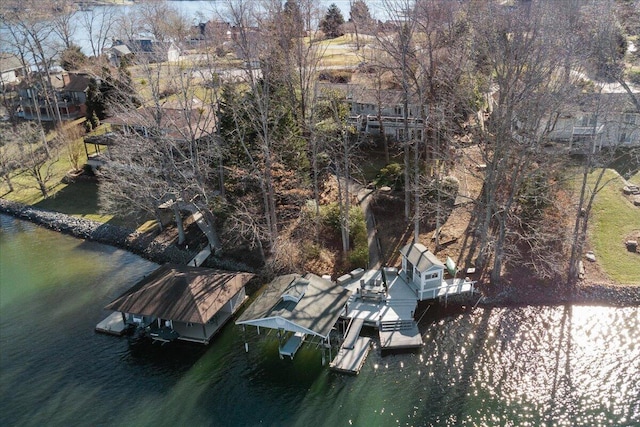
(610, 120)
(377, 112)
(11, 70)
(67, 97)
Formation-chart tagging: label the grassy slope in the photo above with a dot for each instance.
(614, 218)
(78, 199)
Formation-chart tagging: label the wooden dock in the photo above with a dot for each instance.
(350, 361)
(112, 325)
(353, 351)
(406, 337)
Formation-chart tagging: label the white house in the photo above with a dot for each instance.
(11, 69)
(422, 269)
(608, 119)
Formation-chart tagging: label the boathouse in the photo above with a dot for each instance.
(298, 308)
(182, 302)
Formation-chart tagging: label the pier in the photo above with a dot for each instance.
(353, 351)
(112, 325)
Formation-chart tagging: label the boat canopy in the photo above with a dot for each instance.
(309, 305)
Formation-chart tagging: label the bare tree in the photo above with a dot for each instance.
(98, 24)
(397, 41)
(521, 50)
(64, 22)
(34, 160)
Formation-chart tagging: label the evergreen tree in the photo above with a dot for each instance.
(360, 12)
(72, 58)
(331, 24)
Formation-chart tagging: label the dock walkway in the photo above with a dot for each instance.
(112, 325)
(353, 351)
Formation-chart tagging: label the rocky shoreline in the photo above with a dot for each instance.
(146, 247)
(113, 235)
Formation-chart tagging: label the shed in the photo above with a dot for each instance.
(421, 267)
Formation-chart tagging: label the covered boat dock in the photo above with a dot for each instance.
(179, 302)
(299, 308)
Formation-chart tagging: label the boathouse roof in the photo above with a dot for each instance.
(420, 257)
(181, 293)
(308, 304)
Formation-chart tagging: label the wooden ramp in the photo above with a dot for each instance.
(113, 324)
(352, 333)
(354, 350)
(350, 361)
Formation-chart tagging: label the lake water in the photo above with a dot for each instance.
(194, 11)
(533, 366)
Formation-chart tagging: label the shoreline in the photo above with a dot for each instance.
(113, 235)
(504, 296)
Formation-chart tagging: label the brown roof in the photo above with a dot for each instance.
(194, 119)
(181, 293)
(77, 83)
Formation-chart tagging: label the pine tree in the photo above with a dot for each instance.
(331, 25)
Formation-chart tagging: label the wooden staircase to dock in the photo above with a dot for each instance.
(397, 325)
(399, 334)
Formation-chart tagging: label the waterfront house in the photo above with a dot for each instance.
(378, 112)
(299, 308)
(172, 120)
(67, 92)
(144, 49)
(11, 70)
(118, 52)
(185, 303)
(177, 120)
(598, 120)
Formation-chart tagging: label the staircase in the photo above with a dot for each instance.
(397, 325)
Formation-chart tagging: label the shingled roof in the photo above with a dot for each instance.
(181, 293)
(308, 304)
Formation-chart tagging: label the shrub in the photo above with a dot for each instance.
(634, 77)
(391, 175)
(451, 186)
(359, 257)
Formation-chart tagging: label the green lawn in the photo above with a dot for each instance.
(78, 199)
(613, 219)
(635, 179)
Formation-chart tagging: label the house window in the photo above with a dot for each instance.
(588, 120)
(397, 111)
(434, 276)
(630, 118)
(625, 137)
